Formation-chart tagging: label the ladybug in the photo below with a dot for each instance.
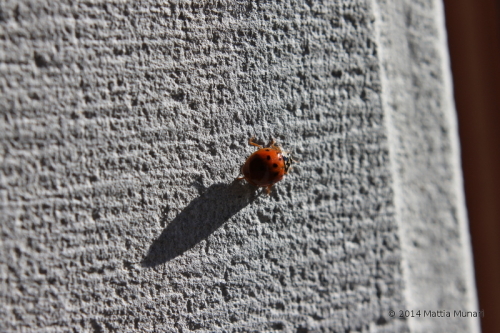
(266, 166)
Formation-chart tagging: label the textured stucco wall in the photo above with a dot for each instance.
(124, 125)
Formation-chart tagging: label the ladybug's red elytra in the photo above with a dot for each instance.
(266, 166)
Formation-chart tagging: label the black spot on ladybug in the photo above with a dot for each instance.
(267, 149)
(258, 168)
(268, 157)
(275, 174)
(275, 165)
(279, 159)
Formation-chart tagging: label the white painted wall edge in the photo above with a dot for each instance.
(437, 269)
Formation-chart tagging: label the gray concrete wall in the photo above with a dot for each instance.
(124, 125)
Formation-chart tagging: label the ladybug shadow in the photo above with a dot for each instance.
(198, 220)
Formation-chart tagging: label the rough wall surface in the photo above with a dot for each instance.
(123, 127)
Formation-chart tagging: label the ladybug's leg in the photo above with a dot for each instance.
(240, 178)
(250, 142)
(268, 189)
(273, 145)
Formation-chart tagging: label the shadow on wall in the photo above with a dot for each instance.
(199, 220)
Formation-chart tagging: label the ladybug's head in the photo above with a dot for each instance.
(288, 161)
